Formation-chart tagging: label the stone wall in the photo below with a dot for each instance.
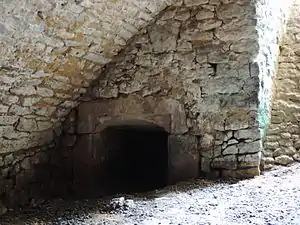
(194, 64)
(50, 53)
(282, 140)
(27, 177)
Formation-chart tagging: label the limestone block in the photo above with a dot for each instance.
(8, 120)
(228, 135)
(183, 15)
(27, 125)
(297, 144)
(231, 150)
(3, 108)
(285, 142)
(44, 92)
(205, 164)
(25, 91)
(241, 173)
(177, 112)
(226, 162)
(206, 141)
(269, 160)
(163, 38)
(8, 159)
(229, 35)
(251, 147)
(296, 157)
(10, 132)
(232, 141)
(29, 101)
(195, 2)
(183, 157)
(272, 138)
(236, 125)
(26, 164)
(205, 14)
(19, 110)
(209, 24)
(290, 151)
(271, 145)
(230, 11)
(252, 134)
(217, 152)
(283, 160)
(251, 160)
(9, 99)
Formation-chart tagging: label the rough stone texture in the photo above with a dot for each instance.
(282, 139)
(190, 65)
(51, 51)
(26, 177)
(195, 68)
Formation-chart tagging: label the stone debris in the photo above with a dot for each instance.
(194, 202)
(121, 203)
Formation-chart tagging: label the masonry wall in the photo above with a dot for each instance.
(282, 139)
(50, 53)
(196, 62)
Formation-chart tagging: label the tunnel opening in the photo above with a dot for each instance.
(136, 157)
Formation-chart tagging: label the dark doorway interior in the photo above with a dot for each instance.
(137, 158)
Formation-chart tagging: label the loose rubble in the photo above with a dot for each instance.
(259, 201)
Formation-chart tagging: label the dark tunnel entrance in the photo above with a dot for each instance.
(137, 157)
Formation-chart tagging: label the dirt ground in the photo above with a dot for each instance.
(270, 199)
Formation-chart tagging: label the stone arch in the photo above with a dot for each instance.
(123, 156)
(51, 54)
(92, 118)
(191, 62)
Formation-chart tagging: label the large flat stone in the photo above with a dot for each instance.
(183, 158)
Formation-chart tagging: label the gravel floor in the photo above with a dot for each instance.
(273, 198)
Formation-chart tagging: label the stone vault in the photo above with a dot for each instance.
(71, 69)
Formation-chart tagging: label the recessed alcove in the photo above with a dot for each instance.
(136, 157)
(124, 157)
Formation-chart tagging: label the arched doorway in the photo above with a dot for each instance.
(136, 156)
(124, 156)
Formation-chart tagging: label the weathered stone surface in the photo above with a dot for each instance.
(252, 134)
(3, 208)
(297, 144)
(251, 160)
(285, 100)
(183, 157)
(296, 157)
(271, 145)
(241, 173)
(205, 165)
(1, 161)
(226, 162)
(284, 151)
(189, 69)
(283, 160)
(231, 150)
(8, 159)
(25, 164)
(269, 160)
(250, 147)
